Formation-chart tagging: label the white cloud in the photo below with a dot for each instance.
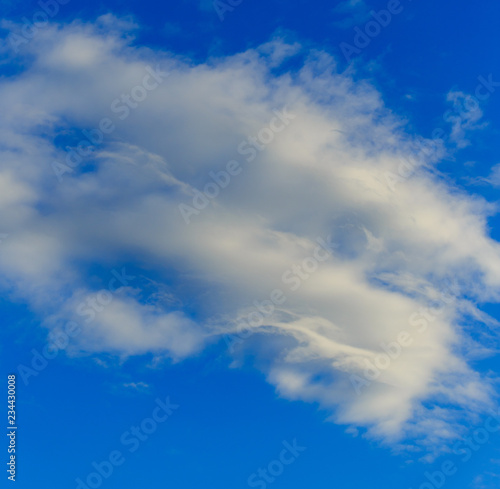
(494, 176)
(464, 117)
(138, 386)
(322, 175)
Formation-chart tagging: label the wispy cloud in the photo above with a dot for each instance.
(138, 386)
(463, 117)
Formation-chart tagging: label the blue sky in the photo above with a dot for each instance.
(267, 257)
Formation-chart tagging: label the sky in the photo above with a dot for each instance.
(250, 244)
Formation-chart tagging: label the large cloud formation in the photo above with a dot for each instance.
(314, 238)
